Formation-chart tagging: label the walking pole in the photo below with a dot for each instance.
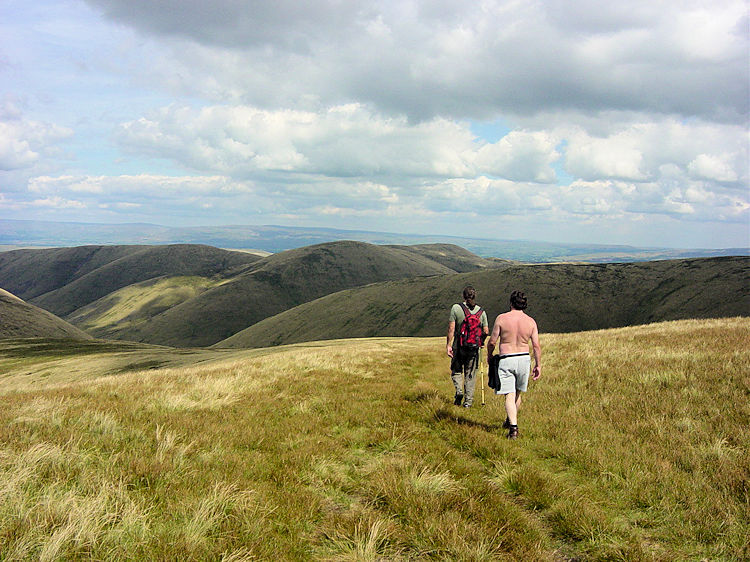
(481, 370)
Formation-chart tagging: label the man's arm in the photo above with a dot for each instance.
(537, 353)
(493, 337)
(449, 338)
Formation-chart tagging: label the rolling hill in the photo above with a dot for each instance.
(282, 281)
(62, 280)
(562, 297)
(19, 319)
(191, 295)
(33, 272)
(148, 263)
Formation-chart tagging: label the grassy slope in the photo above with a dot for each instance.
(562, 297)
(280, 282)
(18, 319)
(124, 310)
(353, 450)
(146, 263)
(31, 273)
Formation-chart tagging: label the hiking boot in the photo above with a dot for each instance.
(513, 432)
(458, 399)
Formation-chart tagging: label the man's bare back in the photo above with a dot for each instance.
(513, 331)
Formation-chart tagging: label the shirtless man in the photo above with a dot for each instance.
(514, 329)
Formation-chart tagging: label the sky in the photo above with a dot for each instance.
(566, 121)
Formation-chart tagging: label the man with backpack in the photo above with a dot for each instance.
(467, 329)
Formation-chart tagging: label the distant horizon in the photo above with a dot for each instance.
(383, 232)
(364, 236)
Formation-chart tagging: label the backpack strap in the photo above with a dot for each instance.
(468, 312)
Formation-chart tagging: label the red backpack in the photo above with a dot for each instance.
(470, 335)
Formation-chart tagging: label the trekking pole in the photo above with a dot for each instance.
(481, 377)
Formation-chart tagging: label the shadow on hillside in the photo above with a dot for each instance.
(445, 414)
(59, 347)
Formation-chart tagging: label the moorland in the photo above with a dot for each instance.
(634, 446)
(186, 402)
(188, 295)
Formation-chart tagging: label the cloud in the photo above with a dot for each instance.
(717, 167)
(57, 203)
(23, 141)
(363, 158)
(456, 59)
(649, 150)
(539, 116)
(144, 185)
(342, 141)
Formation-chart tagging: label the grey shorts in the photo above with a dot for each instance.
(513, 372)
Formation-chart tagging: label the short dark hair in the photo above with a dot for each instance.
(518, 300)
(469, 292)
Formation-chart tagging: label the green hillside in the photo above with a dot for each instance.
(278, 283)
(562, 297)
(31, 273)
(353, 450)
(18, 319)
(117, 314)
(146, 263)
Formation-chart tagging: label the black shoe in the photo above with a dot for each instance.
(506, 423)
(513, 432)
(458, 399)
(467, 405)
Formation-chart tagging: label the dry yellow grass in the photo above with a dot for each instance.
(634, 446)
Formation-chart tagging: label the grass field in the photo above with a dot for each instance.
(634, 446)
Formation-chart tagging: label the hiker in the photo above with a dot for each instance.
(467, 329)
(514, 329)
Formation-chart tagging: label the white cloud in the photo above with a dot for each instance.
(342, 141)
(24, 141)
(58, 203)
(144, 185)
(363, 158)
(716, 167)
(641, 151)
(521, 156)
(458, 59)
(617, 156)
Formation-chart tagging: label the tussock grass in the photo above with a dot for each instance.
(634, 446)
